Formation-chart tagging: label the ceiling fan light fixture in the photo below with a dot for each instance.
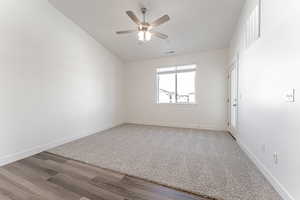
(148, 36)
(144, 36)
(144, 30)
(141, 36)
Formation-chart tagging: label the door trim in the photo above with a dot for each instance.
(234, 64)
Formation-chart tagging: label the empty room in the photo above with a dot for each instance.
(149, 100)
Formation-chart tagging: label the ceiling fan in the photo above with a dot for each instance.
(145, 29)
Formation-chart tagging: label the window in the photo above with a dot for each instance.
(176, 84)
(252, 27)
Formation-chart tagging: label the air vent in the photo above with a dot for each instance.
(169, 52)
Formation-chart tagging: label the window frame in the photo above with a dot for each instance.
(176, 71)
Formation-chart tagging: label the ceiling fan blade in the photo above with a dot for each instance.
(133, 17)
(160, 35)
(160, 20)
(126, 32)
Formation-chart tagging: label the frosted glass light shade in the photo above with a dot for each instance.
(144, 36)
(141, 36)
(148, 36)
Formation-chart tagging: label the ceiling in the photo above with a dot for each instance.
(195, 25)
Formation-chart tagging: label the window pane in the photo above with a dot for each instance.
(166, 84)
(186, 87)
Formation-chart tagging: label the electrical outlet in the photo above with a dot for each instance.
(275, 157)
(290, 95)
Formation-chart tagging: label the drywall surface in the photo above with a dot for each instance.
(208, 113)
(269, 69)
(56, 82)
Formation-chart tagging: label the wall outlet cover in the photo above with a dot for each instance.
(290, 95)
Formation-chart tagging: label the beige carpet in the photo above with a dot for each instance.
(203, 162)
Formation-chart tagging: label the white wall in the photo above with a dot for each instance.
(267, 70)
(56, 82)
(210, 111)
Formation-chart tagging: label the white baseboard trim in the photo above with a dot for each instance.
(40, 148)
(178, 125)
(283, 192)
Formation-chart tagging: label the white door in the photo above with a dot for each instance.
(233, 98)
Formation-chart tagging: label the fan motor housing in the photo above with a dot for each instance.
(144, 27)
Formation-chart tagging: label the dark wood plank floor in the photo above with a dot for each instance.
(47, 176)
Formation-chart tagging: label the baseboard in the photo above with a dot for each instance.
(40, 148)
(274, 181)
(179, 125)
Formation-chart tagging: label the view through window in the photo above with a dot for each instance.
(176, 84)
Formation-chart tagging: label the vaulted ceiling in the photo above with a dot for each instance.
(195, 25)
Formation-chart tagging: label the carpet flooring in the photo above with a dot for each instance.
(207, 163)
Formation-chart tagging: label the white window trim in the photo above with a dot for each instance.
(175, 71)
